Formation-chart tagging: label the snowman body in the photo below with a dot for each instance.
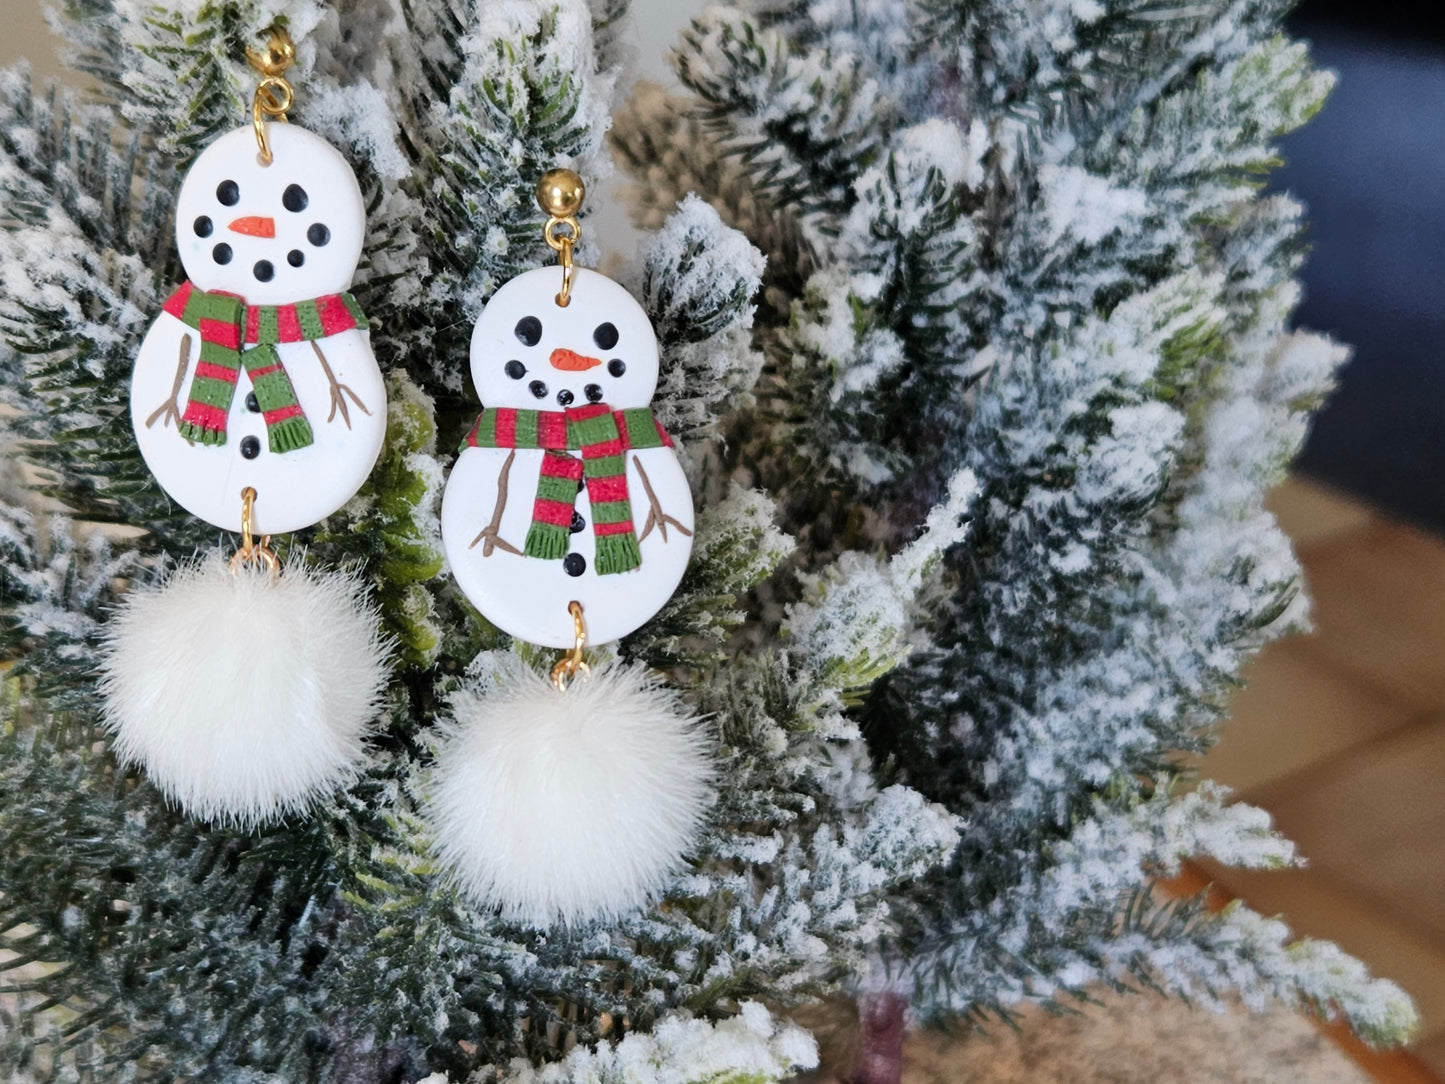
(530, 354)
(283, 239)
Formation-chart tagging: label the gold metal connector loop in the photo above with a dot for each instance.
(572, 663)
(560, 193)
(251, 550)
(274, 96)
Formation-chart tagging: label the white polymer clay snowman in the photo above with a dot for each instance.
(566, 489)
(259, 371)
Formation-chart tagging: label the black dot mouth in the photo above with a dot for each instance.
(264, 271)
(296, 257)
(538, 389)
(593, 393)
(515, 369)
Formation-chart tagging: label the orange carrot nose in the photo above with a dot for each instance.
(254, 226)
(572, 361)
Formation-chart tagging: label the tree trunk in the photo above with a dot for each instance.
(880, 1040)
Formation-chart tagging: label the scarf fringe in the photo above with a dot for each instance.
(618, 553)
(547, 541)
(288, 435)
(199, 434)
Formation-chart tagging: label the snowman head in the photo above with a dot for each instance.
(531, 353)
(276, 234)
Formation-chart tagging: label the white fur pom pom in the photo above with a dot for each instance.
(568, 806)
(245, 697)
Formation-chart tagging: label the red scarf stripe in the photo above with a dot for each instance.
(217, 372)
(288, 324)
(602, 490)
(552, 429)
(335, 316)
(253, 324)
(203, 415)
(280, 414)
(603, 448)
(561, 466)
(557, 513)
(506, 428)
(661, 432)
(265, 370)
(591, 410)
(603, 529)
(176, 303)
(221, 332)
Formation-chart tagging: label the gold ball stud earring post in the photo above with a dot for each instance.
(276, 56)
(560, 193)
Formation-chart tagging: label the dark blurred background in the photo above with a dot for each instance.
(1371, 169)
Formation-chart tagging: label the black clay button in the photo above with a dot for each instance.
(593, 393)
(294, 199)
(574, 564)
(578, 523)
(221, 253)
(264, 271)
(515, 369)
(529, 330)
(203, 226)
(538, 389)
(605, 336)
(250, 447)
(617, 366)
(251, 404)
(229, 193)
(318, 235)
(564, 398)
(295, 257)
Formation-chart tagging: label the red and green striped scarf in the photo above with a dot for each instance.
(603, 436)
(235, 335)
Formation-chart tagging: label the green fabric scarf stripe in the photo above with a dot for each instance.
(310, 320)
(640, 429)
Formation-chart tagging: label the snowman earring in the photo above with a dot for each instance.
(567, 518)
(259, 407)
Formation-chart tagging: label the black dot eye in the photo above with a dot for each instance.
(264, 271)
(318, 235)
(295, 257)
(617, 366)
(229, 193)
(538, 389)
(593, 393)
(221, 253)
(515, 369)
(529, 330)
(294, 199)
(203, 226)
(605, 336)
(564, 398)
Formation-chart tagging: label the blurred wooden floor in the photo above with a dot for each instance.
(1341, 735)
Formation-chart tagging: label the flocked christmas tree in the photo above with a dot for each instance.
(976, 349)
